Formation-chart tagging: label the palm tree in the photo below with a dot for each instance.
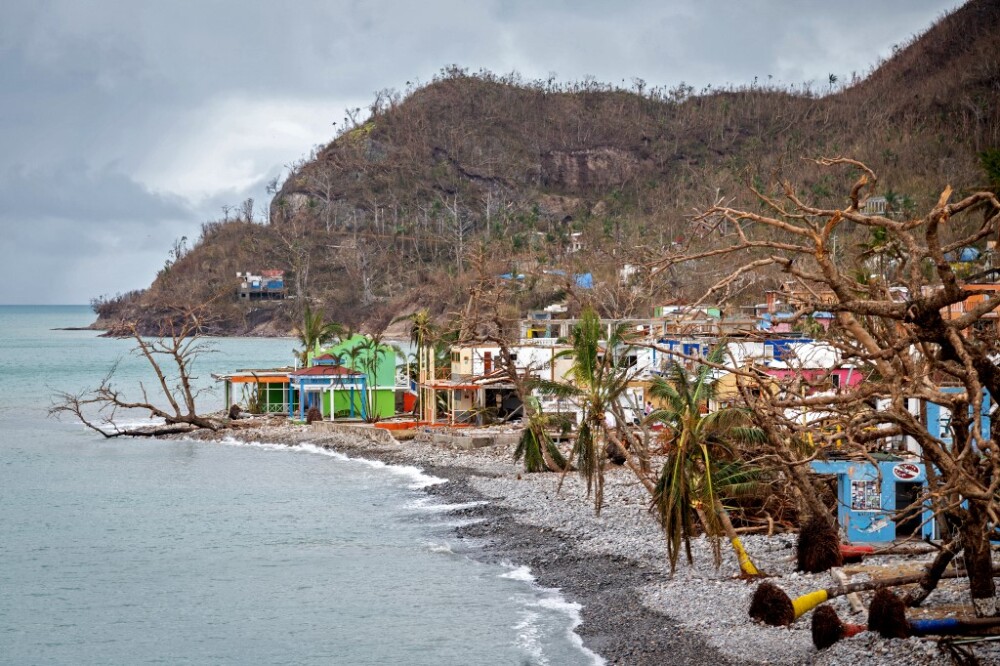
(421, 332)
(365, 356)
(702, 466)
(535, 446)
(314, 332)
(599, 378)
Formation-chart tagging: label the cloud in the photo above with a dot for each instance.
(234, 142)
(74, 191)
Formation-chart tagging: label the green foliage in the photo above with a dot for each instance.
(989, 160)
(702, 466)
(535, 444)
(598, 380)
(315, 332)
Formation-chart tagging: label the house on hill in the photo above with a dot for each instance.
(269, 285)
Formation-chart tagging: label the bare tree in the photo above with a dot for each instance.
(927, 336)
(491, 317)
(171, 356)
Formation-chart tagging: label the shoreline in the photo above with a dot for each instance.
(633, 610)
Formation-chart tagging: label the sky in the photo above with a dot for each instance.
(125, 125)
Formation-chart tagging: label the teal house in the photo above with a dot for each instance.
(377, 362)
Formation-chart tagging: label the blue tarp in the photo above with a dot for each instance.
(584, 280)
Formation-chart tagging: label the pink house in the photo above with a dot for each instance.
(819, 365)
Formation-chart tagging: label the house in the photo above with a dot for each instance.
(257, 391)
(872, 495)
(983, 293)
(819, 366)
(268, 285)
(337, 391)
(377, 362)
(480, 383)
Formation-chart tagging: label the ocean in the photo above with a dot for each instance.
(122, 551)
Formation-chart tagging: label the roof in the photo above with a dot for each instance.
(328, 358)
(269, 376)
(327, 371)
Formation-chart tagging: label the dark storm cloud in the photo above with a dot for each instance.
(126, 124)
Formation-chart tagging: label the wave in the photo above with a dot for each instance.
(417, 475)
(529, 637)
(428, 505)
(522, 573)
(444, 548)
(551, 600)
(109, 428)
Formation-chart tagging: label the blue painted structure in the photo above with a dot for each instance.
(866, 496)
(309, 384)
(939, 417)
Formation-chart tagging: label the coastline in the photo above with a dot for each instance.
(633, 610)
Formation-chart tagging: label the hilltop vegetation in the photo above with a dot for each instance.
(386, 216)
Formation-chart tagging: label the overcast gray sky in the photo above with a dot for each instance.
(125, 124)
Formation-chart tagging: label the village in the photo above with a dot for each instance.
(740, 422)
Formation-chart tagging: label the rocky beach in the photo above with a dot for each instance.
(634, 610)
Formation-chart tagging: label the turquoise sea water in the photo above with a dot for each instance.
(142, 552)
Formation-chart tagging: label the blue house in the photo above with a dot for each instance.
(869, 496)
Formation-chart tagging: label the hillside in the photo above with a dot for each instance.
(580, 178)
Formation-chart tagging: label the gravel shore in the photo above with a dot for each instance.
(634, 610)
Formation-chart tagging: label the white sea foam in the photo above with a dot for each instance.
(529, 637)
(556, 602)
(460, 522)
(428, 505)
(552, 600)
(522, 573)
(419, 478)
(128, 425)
(440, 548)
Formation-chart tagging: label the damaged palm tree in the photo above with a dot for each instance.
(702, 465)
(770, 605)
(536, 446)
(490, 318)
(171, 357)
(922, 333)
(597, 384)
(818, 547)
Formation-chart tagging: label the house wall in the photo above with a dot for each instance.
(846, 377)
(384, 375)
(469, 361)
(384, 403)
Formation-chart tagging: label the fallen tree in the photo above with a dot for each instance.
(914, 329)
(171, 356)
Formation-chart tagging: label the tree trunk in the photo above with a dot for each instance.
(747, 567)
(978, 560)
(809, 501)
(930, 580)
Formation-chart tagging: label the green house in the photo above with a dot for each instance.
(378, 363)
